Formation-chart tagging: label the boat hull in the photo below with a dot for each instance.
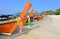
(10, 27)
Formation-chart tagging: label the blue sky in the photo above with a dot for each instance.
(15, 6)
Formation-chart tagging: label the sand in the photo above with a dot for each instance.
(49, 28)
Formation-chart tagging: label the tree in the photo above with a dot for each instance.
(49, 12)
(57, 12)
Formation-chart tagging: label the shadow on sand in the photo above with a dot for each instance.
(16, 33)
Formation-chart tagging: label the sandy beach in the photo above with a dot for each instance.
(48, 28)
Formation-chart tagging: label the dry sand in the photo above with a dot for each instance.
(49, 29)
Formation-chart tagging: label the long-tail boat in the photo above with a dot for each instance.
(38, 17)
(8, 26)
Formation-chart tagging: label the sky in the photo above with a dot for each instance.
(16, 6)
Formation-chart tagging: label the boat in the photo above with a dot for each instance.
(9, 24)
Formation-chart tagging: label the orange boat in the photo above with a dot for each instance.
(8, 28)
(37, 17)
(40, 18)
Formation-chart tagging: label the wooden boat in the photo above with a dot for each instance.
(40, 18)
(35, 17)
(9, 26)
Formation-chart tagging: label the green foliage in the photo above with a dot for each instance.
(51, 12)
(57, 12)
